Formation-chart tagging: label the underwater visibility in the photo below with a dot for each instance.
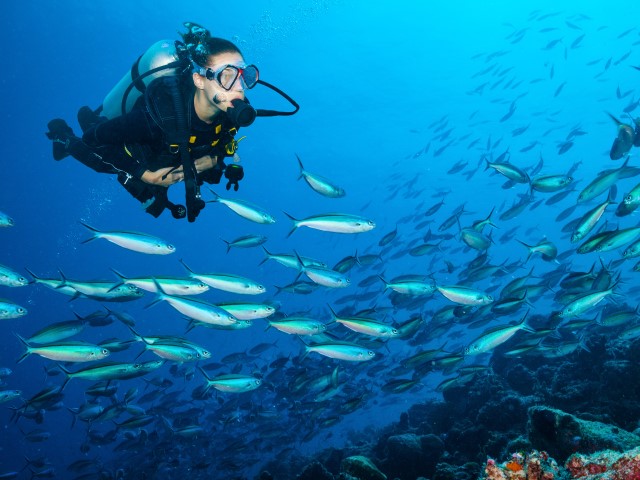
(320, 240)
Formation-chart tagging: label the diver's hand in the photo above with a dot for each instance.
(164, 177)
(205, 163)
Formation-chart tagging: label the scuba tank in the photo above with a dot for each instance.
(157, 56)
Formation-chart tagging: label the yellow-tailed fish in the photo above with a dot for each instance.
(490, 339)
(410, 285)
(196, 309)
(57, 331)
(65, 352)
(334, 222)
(366, 326)
(248, 311)
(228, 282)
(320, 184)
(9, 310)
(545, 248)
(464, 295)
(9, 278)
(589, 219)
(244, 209)
(170, 285)
(138, 242)
(342, 351)
(298, 326)
(551, 183)
(585, 302)
(324, 276)
(232, 383)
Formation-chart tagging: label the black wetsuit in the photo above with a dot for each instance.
(133, 143)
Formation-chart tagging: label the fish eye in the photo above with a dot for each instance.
(394, 331)
(21, 310)
(370, 353)
(171, 247)
(105, 351)
(258, 381)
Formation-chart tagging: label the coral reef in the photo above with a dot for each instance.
(362, 468)
(562, 434)
(606, 465)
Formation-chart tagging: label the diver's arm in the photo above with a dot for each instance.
(165, 177)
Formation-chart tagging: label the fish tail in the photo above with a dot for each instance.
(137, 336)
(204, 373)
(27, 347)
(334, 315)
(122, 278)
(228, 244)
(295, 224)
(95, 231)
(615, 120)
(186, 266)
(190, 326)
(73, 422)
(154, 303)
(35, 277)
(267, 253)
(386, 284)
(66, 380)
(300, 262)
(301, 167)
(216, 197)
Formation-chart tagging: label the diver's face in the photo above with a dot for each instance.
(213, 91)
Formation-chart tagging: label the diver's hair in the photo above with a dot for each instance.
(213, 46)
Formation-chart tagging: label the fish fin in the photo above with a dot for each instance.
(615, 120)
(295, 224)
(66, 380)
(137, 336)
(216, 197)
(386, 284)
(204, 373)
(27, 347)
(95, 231)
(35, 277)
(122, 278)
(186, 266)
(228, 244)
(334, 315)
(267, 253)
(301, 167)
(155, 302)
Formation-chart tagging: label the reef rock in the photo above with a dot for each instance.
(315, 471)
(409, 456)
(361, 468)
(606, 465)
(562, 434)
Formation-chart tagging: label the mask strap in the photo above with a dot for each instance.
(275, 113)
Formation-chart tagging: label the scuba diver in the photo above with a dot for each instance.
(173, 118)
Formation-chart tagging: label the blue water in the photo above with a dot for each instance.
(372, 82)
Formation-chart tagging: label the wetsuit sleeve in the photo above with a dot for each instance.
(134, 127)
